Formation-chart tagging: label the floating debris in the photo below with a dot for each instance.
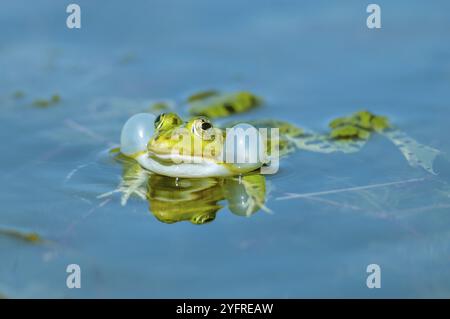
(44, 103)
(127, 58)
(417, 155)
(30, 237)
(18, 95)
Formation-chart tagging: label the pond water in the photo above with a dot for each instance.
(310, 62)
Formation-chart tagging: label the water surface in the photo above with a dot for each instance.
(311, 63)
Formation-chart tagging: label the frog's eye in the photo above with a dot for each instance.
(203, 128)
(158, 120)
(167, 120)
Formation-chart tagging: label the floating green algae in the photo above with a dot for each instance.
(159, 107)
(115, 150)
(359, 125)
(18, 95)
(349, 132)
(202, 95)
(30, 237)
(44, 103)
(215, 105)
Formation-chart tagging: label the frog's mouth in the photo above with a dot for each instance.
(176, 159)
(184, 167)
(171, 162)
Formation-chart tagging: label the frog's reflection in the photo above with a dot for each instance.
(196, 200)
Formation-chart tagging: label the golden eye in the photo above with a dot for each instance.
(166, 121)
(204, 129)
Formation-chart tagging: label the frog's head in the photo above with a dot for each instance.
(189, 141)
(169, 146)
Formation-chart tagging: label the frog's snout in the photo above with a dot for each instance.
(160, 144)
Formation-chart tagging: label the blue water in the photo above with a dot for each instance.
(311, 62)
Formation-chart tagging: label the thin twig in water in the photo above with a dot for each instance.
(333, 203)
(72, 172)
(85, 130)
(349, 189)
(419, 209)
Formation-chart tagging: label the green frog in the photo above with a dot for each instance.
(169, 146)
